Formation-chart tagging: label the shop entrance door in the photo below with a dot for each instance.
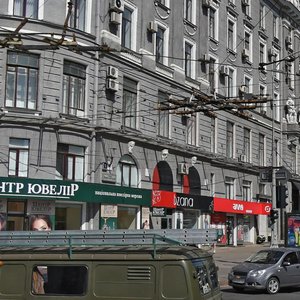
(229, 229)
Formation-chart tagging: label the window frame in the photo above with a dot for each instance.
(190, 11)
(130, 95)
(247, 144)
(231, 33)
(74, 88)
(262, 149)
(129, 162)
(189, 62)
(230, 134)
(64, 154)
(23, 4)
(133, 27)
(87, 13)
(192, 129)
(229, 187)
(164, 117)
(30, 72)
(18, 149)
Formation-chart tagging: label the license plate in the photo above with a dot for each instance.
(238, 279)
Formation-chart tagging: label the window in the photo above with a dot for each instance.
(192, 130)
(213, 136)
(277, 153)
(22, 80)
(247, 85)
(230, 35)
(262, 53)
(262, 15)
(246, 190)
(212, 75)
(276, 107)
(231, 87)
(247, 144)
(126, 38)
(160, 45)
(248, 43)
(212, 23)
(262, 93)
(261, 149)
(229, 188)
(70, 162)
(74, 88)
(275, 27)
(290, 74)
(18, 157)
(188, 59)
(78, 16)
(59, 280)
(130, 103)
(247, 8)
(189, 10)
(127, 172)
(212, 184)
(26, 8)
(229, 139)
(163, 115)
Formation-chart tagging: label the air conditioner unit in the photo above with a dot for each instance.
(246, 2)
(243, 158)
(206, 3)
(117, 5)
(115, 18)
(288, 40)
(206, 57)
(182, 169)
(152, 27)
(224, 70)
(112, 85)
(246, 53)
(112, 72)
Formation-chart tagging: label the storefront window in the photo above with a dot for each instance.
(68, 216)
(127, 217)
(190, 219)
(16, 215)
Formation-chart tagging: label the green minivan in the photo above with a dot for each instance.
(44, 266)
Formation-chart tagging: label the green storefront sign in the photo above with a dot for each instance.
(72, 191)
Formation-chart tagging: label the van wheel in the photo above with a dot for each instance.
(273, 285)
(238, 288)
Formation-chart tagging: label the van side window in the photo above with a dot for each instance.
(59, 280)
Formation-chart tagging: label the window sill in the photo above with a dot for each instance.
(73, 117)
(190, 24)
(162, 6)
(25, 111)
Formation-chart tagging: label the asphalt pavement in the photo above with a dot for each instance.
(226, 257)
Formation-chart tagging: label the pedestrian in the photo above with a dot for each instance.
(146, 225)
(2, 222)
(40, 223)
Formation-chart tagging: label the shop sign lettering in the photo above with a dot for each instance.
(238, 206)
(38, 189)
(184, 201)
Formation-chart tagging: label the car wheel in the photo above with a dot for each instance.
(238, 288)
(273, 285)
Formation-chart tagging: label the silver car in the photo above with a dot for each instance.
(268, 270)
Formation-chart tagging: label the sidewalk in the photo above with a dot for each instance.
(226, 257)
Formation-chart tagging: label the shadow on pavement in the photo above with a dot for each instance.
(230, 290)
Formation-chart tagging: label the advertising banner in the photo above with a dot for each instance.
(292, 230)
(179, 200)
(241, 207)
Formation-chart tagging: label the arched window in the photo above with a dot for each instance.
(162, 177)
(127, 172)
(194, 182)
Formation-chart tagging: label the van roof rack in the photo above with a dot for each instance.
(75, 238)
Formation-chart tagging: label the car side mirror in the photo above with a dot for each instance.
(286, 263)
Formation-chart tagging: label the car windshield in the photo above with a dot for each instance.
(265, 257)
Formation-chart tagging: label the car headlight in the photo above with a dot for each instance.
(257, 273)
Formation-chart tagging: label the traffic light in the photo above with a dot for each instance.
(273, 216)
(282, 194)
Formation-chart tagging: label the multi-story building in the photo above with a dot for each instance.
(117, 112)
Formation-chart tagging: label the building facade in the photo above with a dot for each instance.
(116, 114)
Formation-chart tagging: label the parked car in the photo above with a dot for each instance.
(268, 269)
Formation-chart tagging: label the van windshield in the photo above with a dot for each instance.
(206, 274)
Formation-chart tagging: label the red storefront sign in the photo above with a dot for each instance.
(241, 207)
(163, 199)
